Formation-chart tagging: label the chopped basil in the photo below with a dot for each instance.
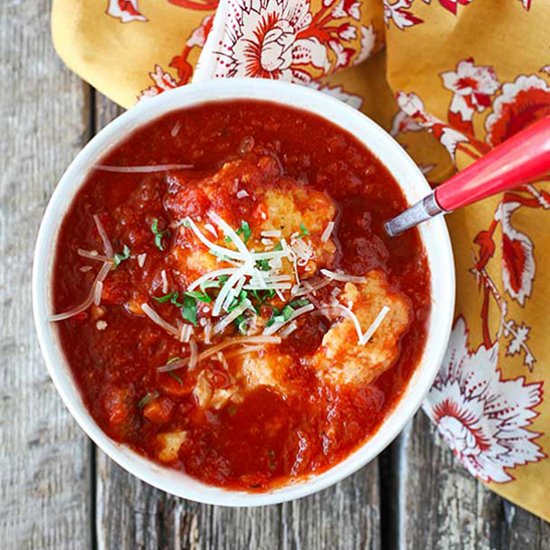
(243, 296)
(261, 296)
(299, 303)
(209, 284)
(147, 398)
(263, 265)
(244, 231)
(189, 310)
(176, 377)
(170, 297)
(241, 324)
(287, 312)
(275, 312)
(173, 360)
(120, 257)
(303, 231)
(280, 316)
(202, 296)
(159, 235)
(278, 247)
(223, 278)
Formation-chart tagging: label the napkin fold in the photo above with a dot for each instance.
(449, 79)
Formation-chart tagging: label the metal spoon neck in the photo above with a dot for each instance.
(420, 212)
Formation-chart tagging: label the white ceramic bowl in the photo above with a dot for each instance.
(434, 235)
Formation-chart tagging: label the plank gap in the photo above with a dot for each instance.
(388, 482)
(92, 130)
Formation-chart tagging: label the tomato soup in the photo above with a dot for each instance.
(227, 299)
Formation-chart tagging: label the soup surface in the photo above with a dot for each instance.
(227, 298)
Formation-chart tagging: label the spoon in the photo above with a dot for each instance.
(523, 158)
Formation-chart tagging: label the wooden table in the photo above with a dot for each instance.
(58, 491)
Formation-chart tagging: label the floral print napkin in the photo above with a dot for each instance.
(449, 79)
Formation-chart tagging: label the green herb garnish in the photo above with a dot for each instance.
(299, 303)
(275, 313)
(118, 258)
(209, 284)
(281, 316)
(263, 265)
(147, 398)
(303, 231)
(159, 235)
(244, 231)
(176, 377)
(202, 296)
(241, 324)
(170, 297)
(189, 310)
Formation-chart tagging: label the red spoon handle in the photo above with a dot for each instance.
(523, 158)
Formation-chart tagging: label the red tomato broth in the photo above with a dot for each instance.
(266, 440)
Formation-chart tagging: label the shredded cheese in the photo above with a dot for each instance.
(215, 349)
(289, 329)
(194, 354)
(164, 282)
(343, 277)
(141, 259)
(363, 337)
(157, 319)
(142, 169)
(274, 233)
(175, 130)
(212, 229)
(296, 313)
(107, 246)
(327, 232)
(97, 292)
(228, 319)
(368, 334)
(93, 255)
(102, 274)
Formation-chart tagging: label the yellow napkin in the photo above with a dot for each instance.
(456, 77)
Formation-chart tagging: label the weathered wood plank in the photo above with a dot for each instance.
(132, 515)
(440, 505)
(44, 456)
(344, 516)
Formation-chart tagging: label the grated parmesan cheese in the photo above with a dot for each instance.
(327, 232)
(164, 282)
(141, 259)
(338, 276)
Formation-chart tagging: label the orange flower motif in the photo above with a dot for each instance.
(522, 102)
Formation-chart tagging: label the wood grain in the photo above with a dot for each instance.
(438, 504)
(44, 456)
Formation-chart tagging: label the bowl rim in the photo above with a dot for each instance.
(434, 235)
